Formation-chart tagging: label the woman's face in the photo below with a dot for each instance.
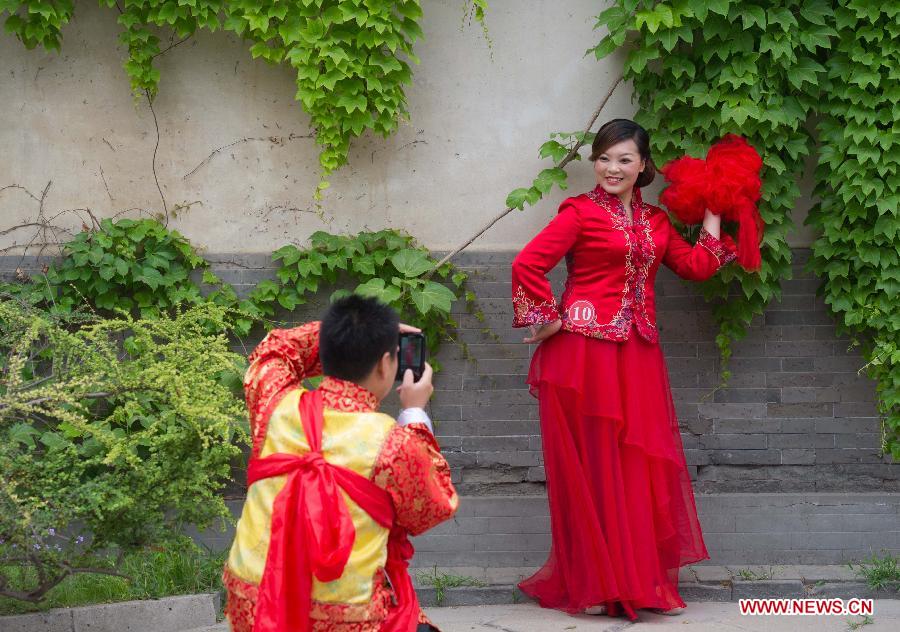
(618, 167)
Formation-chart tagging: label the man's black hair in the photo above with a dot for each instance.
(355, 333)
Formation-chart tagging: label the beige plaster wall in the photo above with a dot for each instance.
(477, 118)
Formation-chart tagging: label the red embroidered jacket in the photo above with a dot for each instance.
(611, 266)
(404, 461)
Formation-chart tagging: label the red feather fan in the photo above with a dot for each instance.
(727, 183)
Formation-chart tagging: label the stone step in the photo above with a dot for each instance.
(511, 532)
(475, 586)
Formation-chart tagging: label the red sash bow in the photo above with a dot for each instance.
(312, 532)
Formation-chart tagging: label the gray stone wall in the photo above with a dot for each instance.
(796, 416)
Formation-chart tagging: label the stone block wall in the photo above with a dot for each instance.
(796, 417)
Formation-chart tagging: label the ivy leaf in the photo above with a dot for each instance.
(411, 263)
(783, 17)
(288, 300)
(816, 11)
(376, 288)
(553, 149)
(548, 177)
(432, 296)
(753, 14)
(638, 58)
(517, 198)
(352, 102)
(805, 70)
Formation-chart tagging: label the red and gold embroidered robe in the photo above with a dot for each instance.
(404, 461)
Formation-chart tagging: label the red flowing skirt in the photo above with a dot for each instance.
(622, 512)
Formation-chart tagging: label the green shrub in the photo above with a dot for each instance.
(112, 434)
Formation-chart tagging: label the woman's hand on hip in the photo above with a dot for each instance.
(539, 334)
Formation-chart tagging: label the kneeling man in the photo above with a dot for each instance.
(335, 487)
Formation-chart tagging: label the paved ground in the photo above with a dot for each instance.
(699, 616)
(706, 616)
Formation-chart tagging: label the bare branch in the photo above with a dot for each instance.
(105, 183)
(171, 46)
(275, 140)
(21, 188)
(569, 157)
(26, 225)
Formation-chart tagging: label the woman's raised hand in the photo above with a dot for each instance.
(539, 334)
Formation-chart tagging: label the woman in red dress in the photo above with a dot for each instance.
(623, 518)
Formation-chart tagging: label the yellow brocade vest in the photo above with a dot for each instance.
(350, 439)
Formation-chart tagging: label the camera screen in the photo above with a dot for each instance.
(410, 352)
(412, 355)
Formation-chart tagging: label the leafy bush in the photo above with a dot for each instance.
(139, 266)
(387, 265)
(112, 433)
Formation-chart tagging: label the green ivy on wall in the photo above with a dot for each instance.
(351, 57)
(705, 69)
(387, 265)
(764, 69)
(141, 267)
(857, 252)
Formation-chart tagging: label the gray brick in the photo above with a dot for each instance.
(515, 458)
(845, 425)
(495, 383)
(801, 410)
(445, 413)
(500, 411)
(806, 380)
(503, 506)
(537, 474)
(798, 456)
(495, 443)
(490, 427)
(847, 455)
(485, 476)
(679, 350)
(522, 542)
(744, 457)
(732, 411)
(802, 425)
(749, 426)
(793, 395)
(870, 440)
(799, 286)
(504, 367)
(749, 395)
(732, 441)
(797, 317)
(806, 440)
(800, 348)
(856, 409)
(499, 351)
(483, 397)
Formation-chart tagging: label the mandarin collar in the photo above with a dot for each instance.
(636, 199)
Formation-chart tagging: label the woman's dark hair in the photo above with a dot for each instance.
(355, 333)
(618, 130)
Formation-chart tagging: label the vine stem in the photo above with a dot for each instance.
(562, 163)
(155, 151)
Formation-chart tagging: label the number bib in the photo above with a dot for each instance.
(581, 313)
